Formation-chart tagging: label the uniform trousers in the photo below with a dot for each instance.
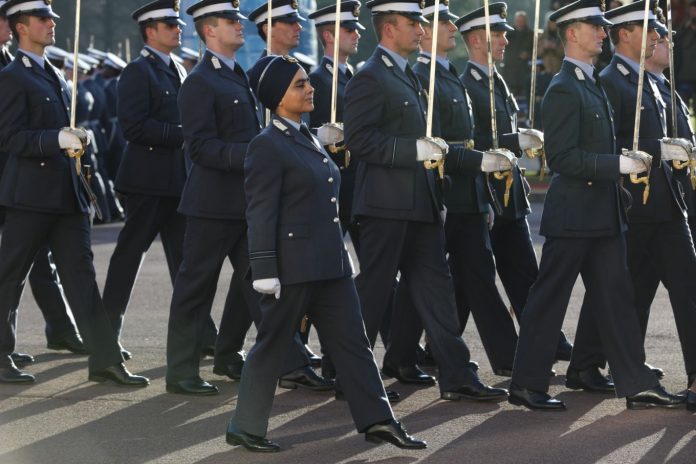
(335, 310)
(601, 261)
(68, 237)
(417, 249)
(46, 288)
(662, 251)
(146, 216)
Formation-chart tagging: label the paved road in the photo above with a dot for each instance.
(63, 418)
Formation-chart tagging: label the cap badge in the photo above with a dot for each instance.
(503, 12)
(176, 6)
(421, 4)
(602, 6)
(235, 3)
(356, 10)
(293, 4)
(48, 2)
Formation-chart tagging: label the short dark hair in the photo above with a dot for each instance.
(14, 20)
(614, 32)
(144, 27)
(378, 22)
(259, 28)
(324, 28)
(208, 21)
(561, 31)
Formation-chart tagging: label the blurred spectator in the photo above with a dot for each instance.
(517, 54)
(684, 54)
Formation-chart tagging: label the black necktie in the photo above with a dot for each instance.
(172, 66)
(49, 69)
(412, 76)
(305, 131)
(348, 73)
(595, 75)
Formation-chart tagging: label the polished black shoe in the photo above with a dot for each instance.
(590, 380)
(208, 351)
(314, 360)
(232, 370)
(393, 433)
(656, 397)
(305, 377)
(119, 375)
(195, 386)
(564, 350)
(392, 396)
(532, 399)
(659, 373)
(409, 375)
(69, 342)
(251, 442)
(127, 355)
(21, 359)
(475, 391)
(11, 374)
(690, 400)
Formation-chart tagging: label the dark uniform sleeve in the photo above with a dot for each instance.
(365, 107)
(561, 114)
(134, 100)
(263, 181)
(15, 138)
(196, 106)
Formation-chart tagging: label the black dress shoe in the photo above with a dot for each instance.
(251, 442)
(232, 370)
(21, 359)
(119, 375)
(314, 360)
(690, 400)
(195, 386)
(208, 351)
(305, 377)
(392, 396)
(534, 399)
(70, 342)
(564, 350)
(590, 380)
(475, 391)
(11, 374)
(656, 397)
(659, 373)
(393, 433)
(409, 375)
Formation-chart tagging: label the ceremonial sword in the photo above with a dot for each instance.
(439, 164)
(531, 153)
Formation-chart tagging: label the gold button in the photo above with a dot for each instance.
(333, 199)
(336, 220)
(330, 180)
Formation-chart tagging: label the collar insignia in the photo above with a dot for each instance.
(622, 69)
(476, 74)
(144, 52)
(216, 62)
(387, 61)
(280, 126)
(579, 74)
(26, 61)
(423, 59)
(329, 67)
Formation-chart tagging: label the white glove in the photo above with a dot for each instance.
(330, 134)
(675, 149)
(634, 162)
(431, 148)
(268, 286)
(530, 139)
(497, 160)
(491, 217)
(73, 139)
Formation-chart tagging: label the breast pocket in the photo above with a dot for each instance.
(405, 108)
(239, 109)
(595, 122)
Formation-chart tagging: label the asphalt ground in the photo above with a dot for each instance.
(63, 418)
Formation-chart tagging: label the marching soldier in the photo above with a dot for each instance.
(61, 333)
(299, 263)
(584, 223)
(152, 172)
(466, 197)
(658, 236)
(396, 199)
(510, 239)
(45, 197)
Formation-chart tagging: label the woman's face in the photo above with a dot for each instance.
(299, 97)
